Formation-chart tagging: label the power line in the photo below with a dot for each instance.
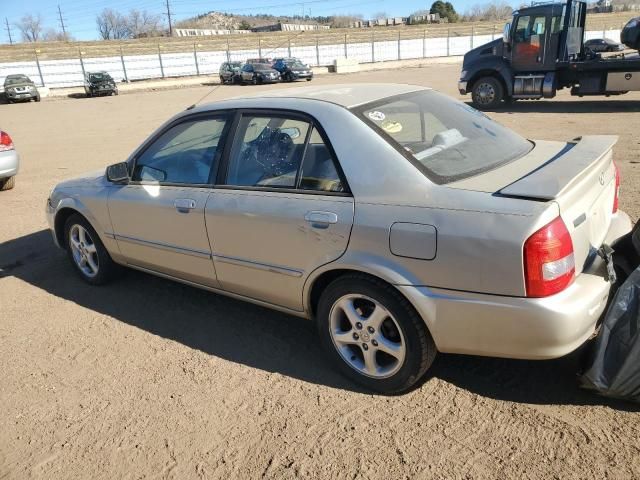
(6, 21)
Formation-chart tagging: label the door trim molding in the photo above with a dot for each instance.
(290, 272)
(164, 246)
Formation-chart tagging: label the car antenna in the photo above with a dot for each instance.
(191, 107)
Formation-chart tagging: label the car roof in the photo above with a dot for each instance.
(17, 75)
(348, 95)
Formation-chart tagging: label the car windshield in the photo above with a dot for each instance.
(446, 139)
(17, 80)
(99, 77)
(296, 65)
(262, 66)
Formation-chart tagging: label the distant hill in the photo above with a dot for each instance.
(228, 21)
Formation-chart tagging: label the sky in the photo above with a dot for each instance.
(79, 15)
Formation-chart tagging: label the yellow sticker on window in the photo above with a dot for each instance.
(391, 127)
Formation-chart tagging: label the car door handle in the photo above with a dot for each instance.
(321, 219)
(184, 205)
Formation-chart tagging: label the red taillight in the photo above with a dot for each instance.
(5, 141)
(549, 265)
(616, 197)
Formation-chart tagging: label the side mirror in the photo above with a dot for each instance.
(118, 172)
(506, 33)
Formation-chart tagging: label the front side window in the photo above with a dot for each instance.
(186, 153)
(446, 139)
(267, 151)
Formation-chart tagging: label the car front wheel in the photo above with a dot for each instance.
(87, 253)
(373, 335)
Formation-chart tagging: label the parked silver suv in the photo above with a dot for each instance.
(20, 88)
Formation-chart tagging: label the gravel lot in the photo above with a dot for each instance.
(146, 378)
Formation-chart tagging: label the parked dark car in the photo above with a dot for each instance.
(630, 34)
(20, 88)
(230, 72)
(293, 69)
(98, 84)
(259, 73)
(603, 45)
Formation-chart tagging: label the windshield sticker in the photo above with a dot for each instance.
(392, 127)
(376, 116)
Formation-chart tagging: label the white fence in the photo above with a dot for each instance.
(70, 72)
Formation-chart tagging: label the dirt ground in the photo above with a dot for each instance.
(146, 378)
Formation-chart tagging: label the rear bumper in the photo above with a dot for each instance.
(517, 327)
(9, 163)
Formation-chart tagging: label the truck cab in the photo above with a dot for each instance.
(542, 51)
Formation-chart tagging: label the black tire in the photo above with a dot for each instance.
(222, 80)
(89, 94)
(107, 268)
(7, 183)
(38, 98)
(308, 79)
(420, 348)
(115, 92)
(487, 93)
(255, 80)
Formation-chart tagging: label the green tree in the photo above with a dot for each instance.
(244, 25)
(445, 9)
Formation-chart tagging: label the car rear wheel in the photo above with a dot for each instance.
(487, 93)
(37, 98)
(87, 253)
(255, 80)
(7, 183)
(373, 335)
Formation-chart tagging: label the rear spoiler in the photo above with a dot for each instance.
(553, 178)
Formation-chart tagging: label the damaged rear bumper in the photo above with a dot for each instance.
(518, 327)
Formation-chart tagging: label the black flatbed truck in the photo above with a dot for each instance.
(542, 51)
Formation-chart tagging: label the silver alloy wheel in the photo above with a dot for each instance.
(367, 336)
(485, 93)
(84, 250)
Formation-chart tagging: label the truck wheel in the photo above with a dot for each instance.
(487, 93)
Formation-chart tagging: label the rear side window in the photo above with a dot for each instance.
(446, 139)
(318, 167)
(278, 151)
(267, 151)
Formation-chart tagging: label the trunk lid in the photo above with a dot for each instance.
(579, 176)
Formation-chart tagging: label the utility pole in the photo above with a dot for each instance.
(6, 21)
(64, 30)
(169, 17)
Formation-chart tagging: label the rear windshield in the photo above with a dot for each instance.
(447, 140)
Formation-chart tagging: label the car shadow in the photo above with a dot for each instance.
(268, 340)
(77, 95)
(569, 106)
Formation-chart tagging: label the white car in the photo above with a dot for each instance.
(9, 162)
